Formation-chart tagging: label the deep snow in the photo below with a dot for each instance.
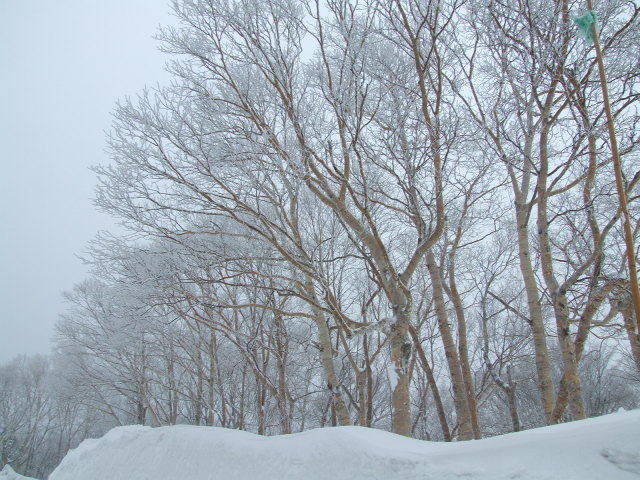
(607, 448)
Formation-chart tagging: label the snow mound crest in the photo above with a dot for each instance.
(607, 447)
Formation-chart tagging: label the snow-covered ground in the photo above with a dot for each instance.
(604, 448)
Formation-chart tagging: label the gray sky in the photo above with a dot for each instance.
(63, 64)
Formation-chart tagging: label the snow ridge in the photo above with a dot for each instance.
(607, 447)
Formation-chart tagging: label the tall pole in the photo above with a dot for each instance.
(622, 194)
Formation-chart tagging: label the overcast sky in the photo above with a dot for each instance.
(63, 64)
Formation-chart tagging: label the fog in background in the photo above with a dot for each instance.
(63, 65)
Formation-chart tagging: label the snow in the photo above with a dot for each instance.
(8, 473)
(393, 377)
(607, 447)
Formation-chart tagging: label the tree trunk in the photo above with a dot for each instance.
(281, 365)
(584, 326)
(543, 365)
(626, 308)
(326, 357)
(361, 382)
(399, 373)
(463, 351)
(369, 378)
(198, 403)
(512, 400)
(455, 370)
(557, 293)
(442, 416)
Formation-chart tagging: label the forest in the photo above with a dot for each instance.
(399, 214)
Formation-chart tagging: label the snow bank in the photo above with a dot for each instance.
(8, 473)
(607, 447)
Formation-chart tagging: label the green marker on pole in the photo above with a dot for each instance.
(584, 25)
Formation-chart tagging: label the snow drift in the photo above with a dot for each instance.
(607, 447)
